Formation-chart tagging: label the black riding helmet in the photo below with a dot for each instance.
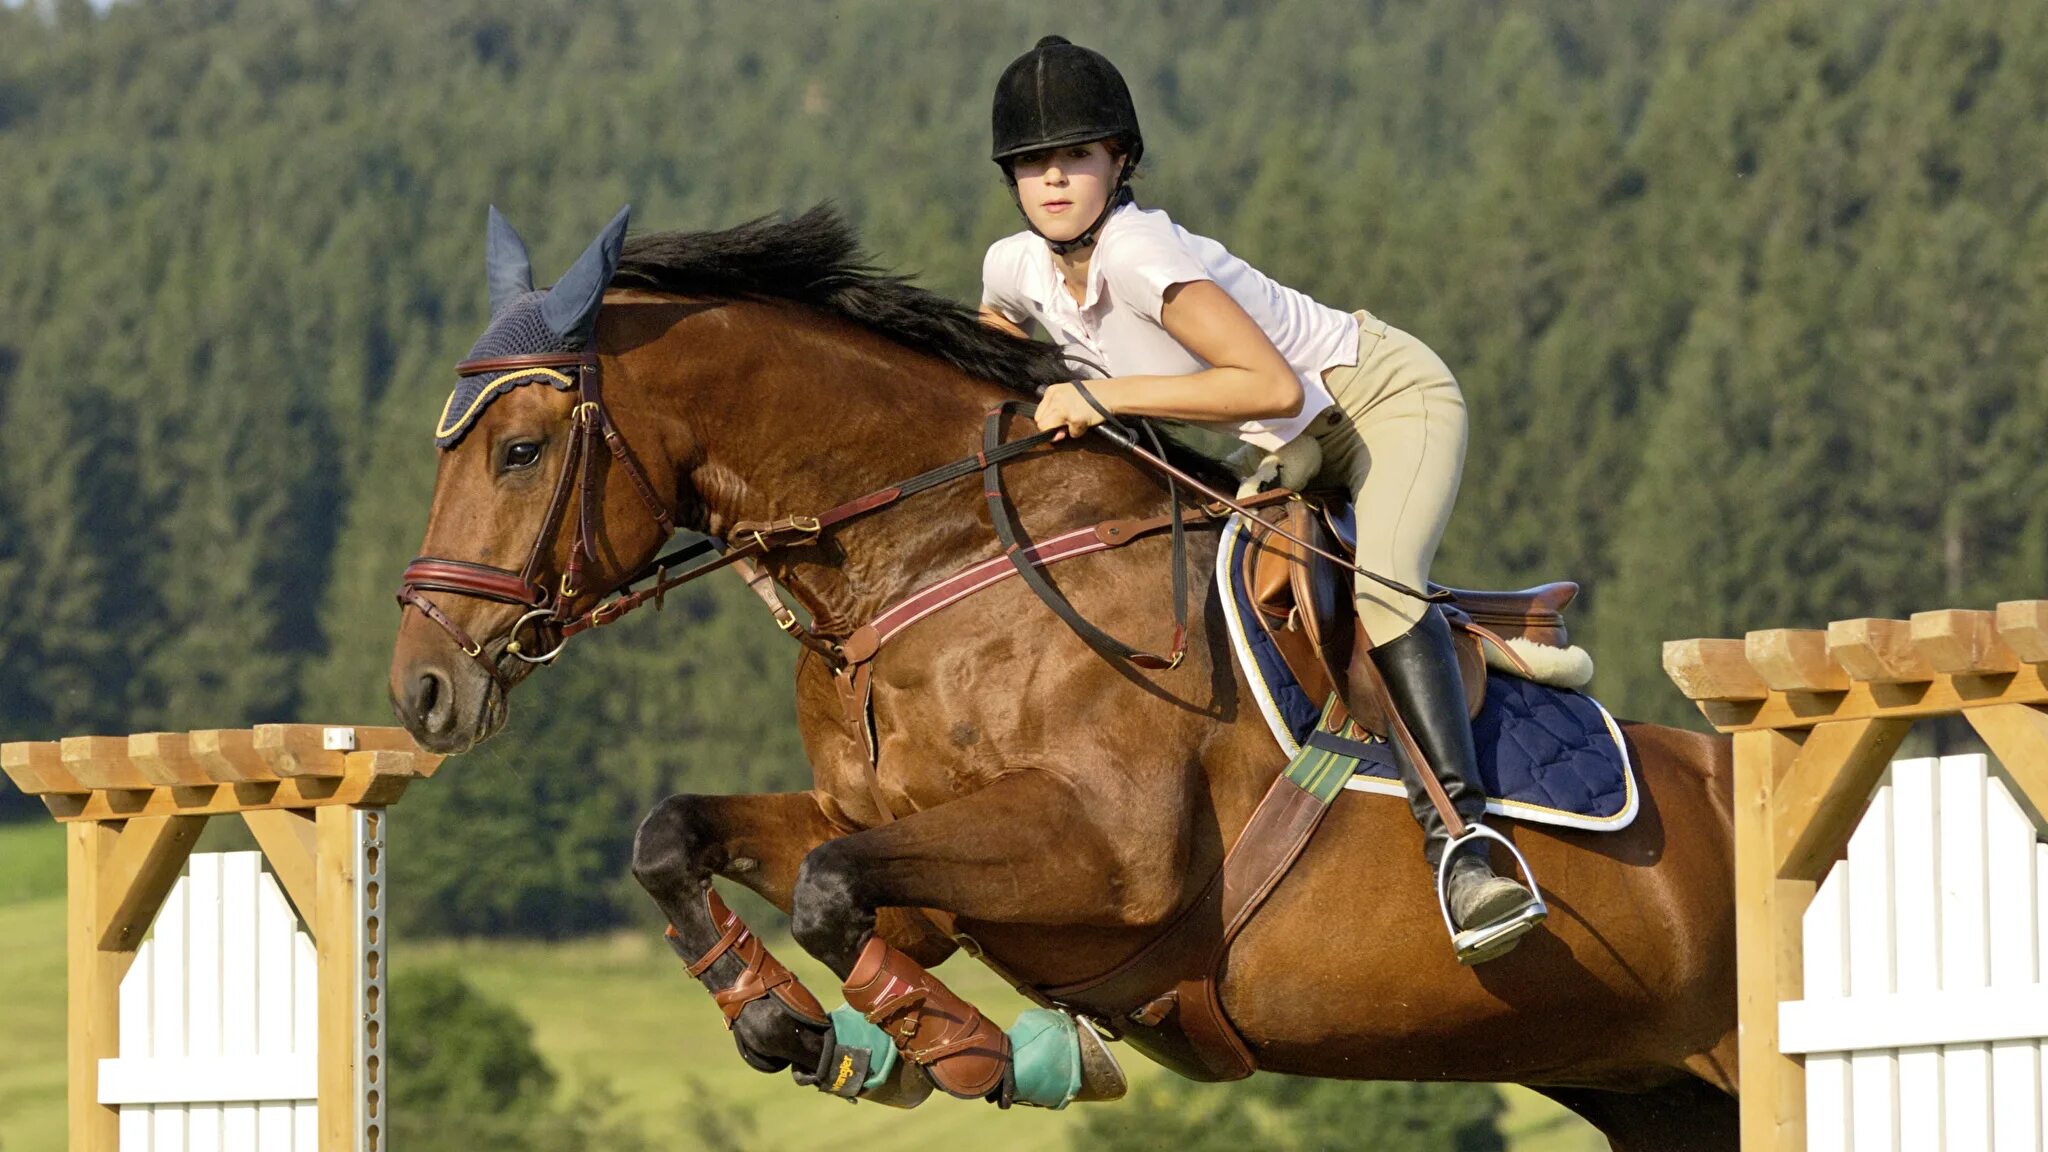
(1060, 93)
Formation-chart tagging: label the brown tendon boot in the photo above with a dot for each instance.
(762, 974)
(962, 1051)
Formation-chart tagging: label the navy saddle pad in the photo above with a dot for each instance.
(1548, 755)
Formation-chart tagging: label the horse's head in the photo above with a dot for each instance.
(522, 535)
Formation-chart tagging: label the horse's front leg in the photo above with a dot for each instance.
(1025, 850)
(759, 841)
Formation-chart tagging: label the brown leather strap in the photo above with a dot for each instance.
(470, 648)
(868, 639)
(1175, 975)
(761, 973)
(1397, 728)
(435, 574)
(485, 364)
(960, 1049)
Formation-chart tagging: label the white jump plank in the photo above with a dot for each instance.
(1916, 887)
(167, 1022)
(276, 1128)
(1965, 962)
(166, 1080)
(203, 991)
(2009, 837)
(2015, 1074)
(2041, 950)
(305, 1128)
(137, 1126)
(2019, 1012)
(1873, 1075)
(1826, 966)
(241, 878)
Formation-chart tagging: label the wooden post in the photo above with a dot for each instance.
(351, 937)
(93, 989)
(1767, 946)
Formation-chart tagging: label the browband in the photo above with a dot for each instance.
(485, 364)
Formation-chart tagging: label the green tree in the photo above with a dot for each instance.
(465, 1074)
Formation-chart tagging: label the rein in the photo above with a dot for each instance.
(551, 608)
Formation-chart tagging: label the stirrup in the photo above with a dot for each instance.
(1478, 945)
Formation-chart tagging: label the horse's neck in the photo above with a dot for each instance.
(826, 414)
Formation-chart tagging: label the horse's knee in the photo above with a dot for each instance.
(826, 915)
(667, 845)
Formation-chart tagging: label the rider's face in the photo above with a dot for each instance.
(1063, 189)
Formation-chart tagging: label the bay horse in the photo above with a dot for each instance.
(1061, 806)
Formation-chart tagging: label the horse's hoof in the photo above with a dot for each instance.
(1102, 1078)
(759, 1062)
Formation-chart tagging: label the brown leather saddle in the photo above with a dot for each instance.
(1165, 999)
(1305, 605)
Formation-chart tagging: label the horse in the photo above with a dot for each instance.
(1058, 807)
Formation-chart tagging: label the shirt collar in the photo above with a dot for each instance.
(1055, 284)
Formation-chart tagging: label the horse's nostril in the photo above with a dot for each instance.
(430, 702)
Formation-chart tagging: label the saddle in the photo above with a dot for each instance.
(1305, 605)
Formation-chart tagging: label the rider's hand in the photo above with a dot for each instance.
(1062, 407)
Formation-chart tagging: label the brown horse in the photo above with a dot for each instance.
(1062, 805)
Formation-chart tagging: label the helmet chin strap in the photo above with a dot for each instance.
(1117, 199)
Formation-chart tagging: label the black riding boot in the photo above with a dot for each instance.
(1421, 673)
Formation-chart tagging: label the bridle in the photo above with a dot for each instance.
(589, 423)
(549, 608)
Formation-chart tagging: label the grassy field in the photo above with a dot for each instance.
(617, 1011)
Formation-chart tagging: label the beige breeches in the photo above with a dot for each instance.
(1396, 438)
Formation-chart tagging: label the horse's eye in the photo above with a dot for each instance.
(523, 454)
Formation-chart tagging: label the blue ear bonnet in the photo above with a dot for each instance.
(525, 322)
(517, 330)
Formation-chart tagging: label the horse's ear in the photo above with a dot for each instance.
(571, 305)
(505, 261)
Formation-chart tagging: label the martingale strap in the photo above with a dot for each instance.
(1004, 518)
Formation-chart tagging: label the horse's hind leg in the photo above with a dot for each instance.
(1685, 1116)
(758, 841)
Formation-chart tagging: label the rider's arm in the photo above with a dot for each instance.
(1247, 378)
(995, 319)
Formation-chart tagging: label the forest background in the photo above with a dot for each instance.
(1746, 299)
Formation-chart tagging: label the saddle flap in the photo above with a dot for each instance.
(1303, 599)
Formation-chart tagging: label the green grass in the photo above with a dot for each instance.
(31, 862)
(615, 1009)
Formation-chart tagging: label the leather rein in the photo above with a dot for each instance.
(551, 609)
(591, 424)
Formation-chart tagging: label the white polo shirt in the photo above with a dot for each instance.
(1139, 254)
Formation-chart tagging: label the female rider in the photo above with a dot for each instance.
(1188, 331)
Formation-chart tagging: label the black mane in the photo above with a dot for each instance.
(816, 259)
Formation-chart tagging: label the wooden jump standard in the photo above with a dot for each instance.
(1816, 717)
(314, 798)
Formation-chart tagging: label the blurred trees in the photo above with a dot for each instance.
(1745, 300)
